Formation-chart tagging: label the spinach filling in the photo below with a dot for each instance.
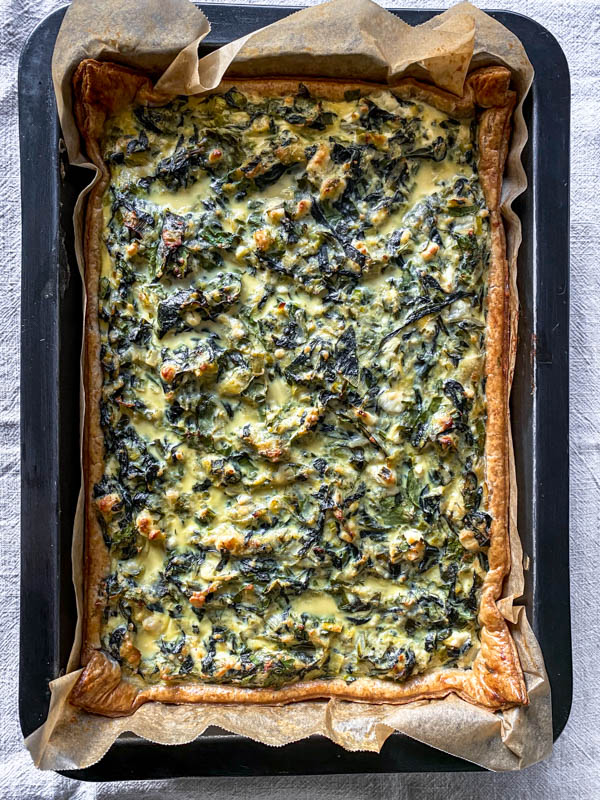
(292, 317)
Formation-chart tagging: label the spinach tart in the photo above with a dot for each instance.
(296, 377)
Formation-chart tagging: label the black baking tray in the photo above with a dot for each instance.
(51, 324)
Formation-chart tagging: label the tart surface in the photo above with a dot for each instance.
(296, 383)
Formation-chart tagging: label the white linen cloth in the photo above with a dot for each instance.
(573, 770)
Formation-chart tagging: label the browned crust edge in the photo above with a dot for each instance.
(496, 679)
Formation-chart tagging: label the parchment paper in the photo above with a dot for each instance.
(339, 39)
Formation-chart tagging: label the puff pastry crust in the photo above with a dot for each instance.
(495, 680)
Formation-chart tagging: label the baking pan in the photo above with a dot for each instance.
(51, 322)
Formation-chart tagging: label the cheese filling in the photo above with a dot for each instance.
(292, 317)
